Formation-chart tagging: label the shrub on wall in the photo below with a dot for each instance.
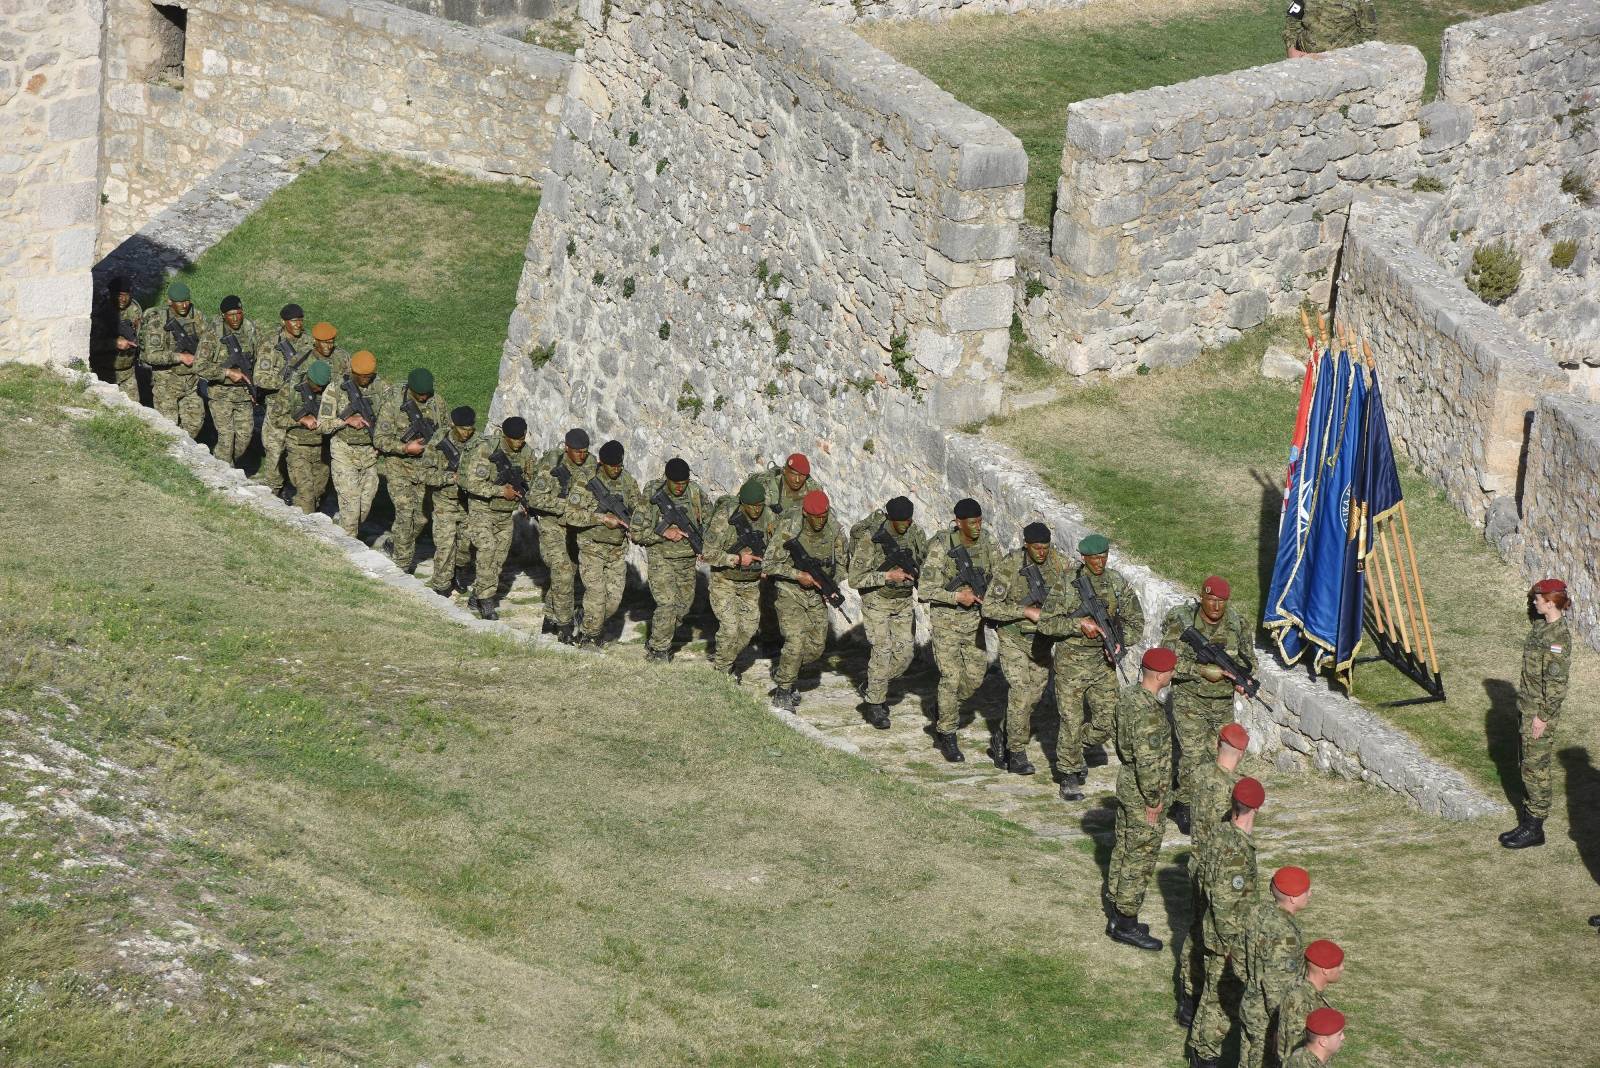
(1562, 253)
(1495, 273)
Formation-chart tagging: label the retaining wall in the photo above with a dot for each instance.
(935, 10)
(1560, 530)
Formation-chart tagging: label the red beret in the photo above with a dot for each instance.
(1235, 735)
(798, 461)
(1325, 1021)
(1291, 881)
(1324, 954)
(1549, 586)
(1217, 587)
(1249, 792)
(814, 503)
(1159, 659)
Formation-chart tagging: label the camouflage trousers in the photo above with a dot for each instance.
(1134, 851)
(1196, 721)
(1192, 962)
(273, 440)
(308, 473)
(450, 542)
(890, 623)
(355, 482)
(803, 622)
(737, 606)
(1221, 989)
(233, 416)
(1082, 678)
(1257, 1006)
(556, 549)
(1537, 756)
(672, 586)
(128, 381)
(958, 652)
(604, 571)
(1025, 662)
(490, 533)
(178, 398)
(410, 500)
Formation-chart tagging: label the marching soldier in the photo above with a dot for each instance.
(1324, 967)
(346, 419)
(1228, 888)
(808, 552)
(1274, 950)
(737, 542)
(786, 487)
(304, 447)
(495, 473)
(451, 545)
(670, 523)
(125, 315)
(228, 364)
(408, 419)
(1546, 664)
(1143, 782)
(1023, 584)
(557, 473)
(1213, 799)
(277, 372)
(1324, 1038)
(170, 342)
(954, 578)
(886, 554)
(600, 511)
(325, 347)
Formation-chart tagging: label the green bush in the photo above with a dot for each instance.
(1563, 253)
(1576, 185)
(1428, 184)
(1495, 273)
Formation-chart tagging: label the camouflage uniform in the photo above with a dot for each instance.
(1213, 800)
(124, 362)
(1201, 708)
(1025, 651)
(1143, 781)
(1300, 1002)
(957, 632)
(888, 611)
(735, 592)
(802, 613)
(555, 478)
(490, 516)
(602, 550)
(1303, 1058)
(1228, 886)
(174, 387)
(1546, 663)
(278, 370)
(353, 458)
(671, 563)
(305, 450)
(1274, 959)
(407, 476)
(1328, 24)
(451, 544)
(780, 502)
(1083, 675)
(233, 410)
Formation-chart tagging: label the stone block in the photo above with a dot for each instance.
(978, 308)
(1082, 249)
(1248, 308)
(1448, 124)
(966, 242)
(988, 166)
(53, 296)
(73, 250)
(939, 352)
(1280, 362)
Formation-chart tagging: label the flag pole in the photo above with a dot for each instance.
(1427, 628)
(1396, 611)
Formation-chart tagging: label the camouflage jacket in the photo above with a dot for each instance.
(1010, 592)
(726, 528)
(283, 361)
(1213, 800)
(779, 498)
(1300, 1002)
(159, 346)
(1228, 880)
(1064, 611)
(939, 569)
(123, 359)
(480, 476)
(648, 515)
(442, 469)
(828, 545)
(1546, 662)
(1231, 632)
(1303, 1058)
(1144, 746)
(398, 412)
(336, 404)
(867, 558)
(1328, 24)
(211, 362)
(555, 477)
(1274, 950)
(584, 511)
(300, 400)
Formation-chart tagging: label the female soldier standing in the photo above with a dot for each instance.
(1546, 658)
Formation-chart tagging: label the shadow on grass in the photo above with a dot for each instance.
(1583, 805)
(1266, 543)
(1098, 822)
(1178, 897)
(1503, 734)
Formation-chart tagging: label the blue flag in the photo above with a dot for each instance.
(1330, 514)
(1375, 497)
(1285, 602)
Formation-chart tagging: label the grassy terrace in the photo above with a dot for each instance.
(1025, 69)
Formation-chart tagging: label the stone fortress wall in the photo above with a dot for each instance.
(935, 10)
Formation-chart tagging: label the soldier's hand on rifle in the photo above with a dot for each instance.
(1088, 628)
(124, 344)
(186, 358)
(414, 448)
(966, 598)
(234, 375)
(607, 519)
(1031, 613)
(1210, 672)
(356, 420)
(509, 492)
(308, 421)
(897, 574)
(804, 579)
(673, 534)
(1153, 815)
(747, 558)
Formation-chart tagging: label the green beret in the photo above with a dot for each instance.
(753, 492)
(420, 381)
(319, 372)
(1094, 545)
(179, 292)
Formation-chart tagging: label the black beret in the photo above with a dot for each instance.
(898, 509)
(292, 311)
(1036, 534)
(231, 303)
(611, 453)
(577, 438)
(118, 284)
(677, 470)
(464, 416)
(967, 508)
(515, 427)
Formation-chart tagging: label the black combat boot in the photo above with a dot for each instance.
(445, 593)
(1522, 823)
(1095, 756)
(1125, 929)
(658, 656)
(1019, 764)
(1180, 816)
(1197, 1061)
(783, 697)
(1530, 833)
(1594, 921)
(472, 603)
(948, 747)
(997, 749)
(877, 715)
(485, 609)
(564, 633)
(462, 580)
(1071, 787)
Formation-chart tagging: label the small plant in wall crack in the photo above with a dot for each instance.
(689, 401)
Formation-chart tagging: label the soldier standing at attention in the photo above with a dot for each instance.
(1274, 950)
(1228, 887)
(1546, 664)
(495, 471)
(1084, 673)
(802, 611)
(1143, 783)
(450, 542)
(1202, 695)
(1312, 27)
(169, 342)
(126, 314)
(297, 419)
(1024, 583)
(603, 539)
(1324, 1037)
(558, 472)
(1324, 967)
(408, 419)
(888, 597)
(1213, 799)
(228, 364)
(954, 578)
(346, 419)
(737, 542)
(277, 371)
(670, 551)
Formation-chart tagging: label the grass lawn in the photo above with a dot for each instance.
(1025, 69)
(417, 264)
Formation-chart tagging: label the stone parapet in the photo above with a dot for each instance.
(934, 10)
(1560, 530)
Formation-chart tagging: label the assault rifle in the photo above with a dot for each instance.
(244, 364)
(1209, 652)
(1091, 605)
(968, 574)
(609, 500)
(750, 537)
(310, 400)
(359, 403)
(894, 554)
(1038, 590)
(804, 561)
(183, 338)
(422, 428)
(508, 474)
(563, 475)
(674, 515)
(451, 452)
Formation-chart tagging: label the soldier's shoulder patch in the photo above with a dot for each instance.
(1557, 648)
(1238, 882)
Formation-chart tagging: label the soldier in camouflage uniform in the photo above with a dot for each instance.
(277, 371)
(304, 446)
(325, 347)
(888, 598)
(1324, 967)
(670, 553)
(353, 457)
(785, 488)
(737, 541)
(1084, 672)
(1143, 784)
(602, 539)
(960, 563)
(451, 545)
(1202, 695)
(1228, 888)
(227, 361)
(1315, 26)
(1213, 800)
(557, 473)
(170, 342)
(496, 470)
(1546, 665)
(409, 418)
(1274, 950)
(121, 318)
(1024, 583)
(802, 611)
(1324, 1038)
